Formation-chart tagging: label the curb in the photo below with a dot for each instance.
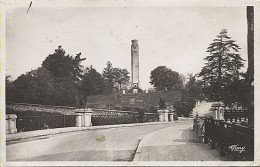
(34, 134)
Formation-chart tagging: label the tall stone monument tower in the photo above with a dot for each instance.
(135, 65)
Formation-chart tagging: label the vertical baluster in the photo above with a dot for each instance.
(41, 121)
(212, 134)
(64, 119)
(206, 131)
(28, 123)
(52, 121)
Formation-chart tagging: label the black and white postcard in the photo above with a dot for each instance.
(129, 83)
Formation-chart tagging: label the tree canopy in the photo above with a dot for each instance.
(62, 80)
(35, 86)
(55, 82)
(164, 79)
(121, 77)
(92, 82)
(114, 78)
(222, 65)
(64, 66)
(108, 76)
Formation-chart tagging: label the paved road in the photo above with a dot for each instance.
(176, 145)
(116, 144)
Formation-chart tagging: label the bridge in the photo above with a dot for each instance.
(120, 136)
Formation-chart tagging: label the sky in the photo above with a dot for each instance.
(173, 36)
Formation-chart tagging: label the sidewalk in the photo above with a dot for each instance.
(175, 144)
(46, 132)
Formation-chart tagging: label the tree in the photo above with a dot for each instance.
(162, 104)
(53, 83)
(250, 43)
(222, 65)
(10, 90)
(66, 92)
(250, 69)
(121, 77)
(108, 75)
(35, 86)
(42, 88)
(236, 92)
(164, 79)
(190, 94)
(64, 66)
(92, 82)
(193, 89)
(66, 71)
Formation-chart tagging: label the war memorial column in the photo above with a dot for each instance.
(135, 65)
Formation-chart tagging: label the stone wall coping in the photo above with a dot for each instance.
(40, 105)
(77, 114)
(83, 110)
(11, 116)
(118, 111)
(163, 111)
(149, 113)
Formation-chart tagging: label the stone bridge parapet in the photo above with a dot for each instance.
(39, 108)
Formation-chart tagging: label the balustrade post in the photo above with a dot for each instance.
(41, 122)
(213, 137)
(78, 120)
(205, 131)
(29, 124)
(10, 123)
(221, 137)
(53, 122)
(64, 119)
(166, 117)
(86, 116)
(163, 115)
(171, 116)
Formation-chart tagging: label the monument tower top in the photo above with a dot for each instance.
(134, 42)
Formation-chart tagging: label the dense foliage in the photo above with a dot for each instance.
(221, 74)
(164, 79)
(92, 82)
(62, 80)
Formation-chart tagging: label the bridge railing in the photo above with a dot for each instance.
(112, 117)
(235, 115)
(35, 117)
(30, 123)
(39, 108)
(232, 139)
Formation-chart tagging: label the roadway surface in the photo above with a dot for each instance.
(115, 144)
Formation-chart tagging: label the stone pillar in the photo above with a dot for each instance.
(171, 116)
(85, 116)
(79, 120)
(11, 123)
(221, 113)
(166, 117)
(163, 115)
